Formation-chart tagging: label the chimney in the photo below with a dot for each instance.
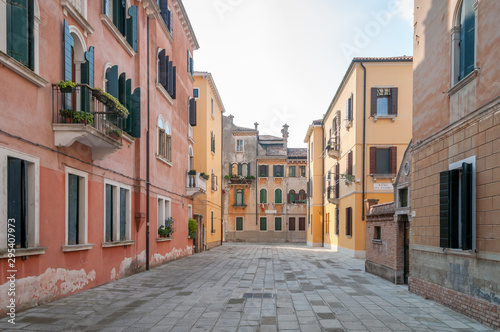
(256, 124)
(231, 117)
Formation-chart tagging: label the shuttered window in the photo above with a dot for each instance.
(116, 205)
(349, 113)
(278, 171)
(278, 199)
(467, 38)
(302, 223)
(263, 169)
(20, 31)
(240, 197)
(263, 224)
(291, 224)
(192, 112)
(263, 196)
(109, 213)
(132, 27)
(291, 171)
(291, 197)
(384, 101)
(337, 224)
(349, 163)
(278, 224)
(456, 207)
(383, 160)
(348, 221)
(212, 230)
(239, 223)
(74, 205)
(166, 14)
(17, 201)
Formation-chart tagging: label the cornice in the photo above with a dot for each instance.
(208, 76)
(186, 24)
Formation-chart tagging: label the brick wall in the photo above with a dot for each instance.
(482, 311)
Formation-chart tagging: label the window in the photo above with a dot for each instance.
(463, 41)
(348, 112)
(212, 230)
(239, 145)
(457, 205)
(163, 210)
(278, 199)
(403, 197)
(384, 101)
(117, 212)
(212, 107)
(239, 223)
(278, 227)
(245, 169)
(212, 148)
(263, 196)
(302, 223)
(190, 211)
(19, 189)
(348, 221)
(327, 224)
(302, 171)
(196, 93)
(20, 31)
(125, 20)
(291, 171)
(192, 111)
(291, 224)
(191, 158)
(377, 233)
(263, 171)
(383, 160)
(263, 224)
(278, 171)
(76, 207)
(292, 197)
(337, 221)
(190, 64)
(167, 74)
(239, 197)
(164, 140)
(311, 154)
(302, 196)
(167, 15)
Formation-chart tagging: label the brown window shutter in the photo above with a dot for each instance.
(373, 160)
(288, 198)
(394, 159)
(349, 163)
(394, 101)
(374, 102)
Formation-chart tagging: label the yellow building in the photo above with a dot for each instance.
(205, 156)
(365, 132)
(315, 226)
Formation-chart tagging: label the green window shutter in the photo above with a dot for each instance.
(262, 196)
(128, 105)
(119, 15)
(68, 63)
(373, 102)
(123, 213)
(122, 89)
(112, 77)
(263, 224)
(467, 38)
(17, 200)
(277, 224)
(248, 170)
(132, 27)
(239, 223)
(444, 209)
(235, 196)
(89, 56)
(212, 221)
(278, 196)
(73, 208)
(170, 77)
(240, 167)
(174, 74)
(466, 205)
(20, 31)
(162, 69)
(135, 114)
(109, 213)
(454, 208)
(242, 196)
(171, 22)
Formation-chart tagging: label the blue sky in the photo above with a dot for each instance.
(277, 61)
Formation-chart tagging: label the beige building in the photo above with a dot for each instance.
(366, 130)
(455, 197)
(205, 157)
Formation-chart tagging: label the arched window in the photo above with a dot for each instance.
(463, 40)
(164, 139)
(291, 196)
(302, 196)
(191, 158)
(263, 196)
(278, 199)
(234, 169)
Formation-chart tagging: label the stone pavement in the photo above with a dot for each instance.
(247, 287)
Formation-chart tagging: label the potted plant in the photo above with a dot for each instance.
(192, 172)
(67, 115)
(227, 176)
(250, 177)
(169, 226)
(204, 175)
(162, 232)
(192, 225)
(66, 86)
(114, 133)
(83, 117)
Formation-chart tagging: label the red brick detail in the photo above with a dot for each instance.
(482, 311)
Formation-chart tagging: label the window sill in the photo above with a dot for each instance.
(391, 116)
(191, 140)
(463, 82)
(73, 12)
(117, 34)
(382, 176)
(164, 93)
(22, 70)
(118, 244)
(165, 161)
(24, 252)
(460, 252)
(376, 241)
(164, 239)
(77, 247)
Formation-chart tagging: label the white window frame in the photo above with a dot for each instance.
(84, 214)
(197, 89)
(116, 214)
(33, 205)
(161, 211)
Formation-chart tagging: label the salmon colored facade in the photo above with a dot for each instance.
(82, 192)
(365, 133)
(208, 158)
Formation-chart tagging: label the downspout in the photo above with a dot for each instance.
(364, 143)
(322, 195)
(221, 179)
(147, 162)
(257, 179)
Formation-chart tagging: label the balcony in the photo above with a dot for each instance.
(333, 193)
(238, 179)
(78, 116)
(196, 185)
(333, 148)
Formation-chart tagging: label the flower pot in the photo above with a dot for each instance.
(68, 89)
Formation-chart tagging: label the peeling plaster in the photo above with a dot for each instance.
(113, 274)
(173, 254)
(51, 284)
(130, 265)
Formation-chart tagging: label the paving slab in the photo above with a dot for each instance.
(247, 287)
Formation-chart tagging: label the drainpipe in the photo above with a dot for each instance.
(323, 195)
(147, 164)
(364, 143)
(222, 179)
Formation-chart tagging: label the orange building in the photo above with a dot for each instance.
(88, 171)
